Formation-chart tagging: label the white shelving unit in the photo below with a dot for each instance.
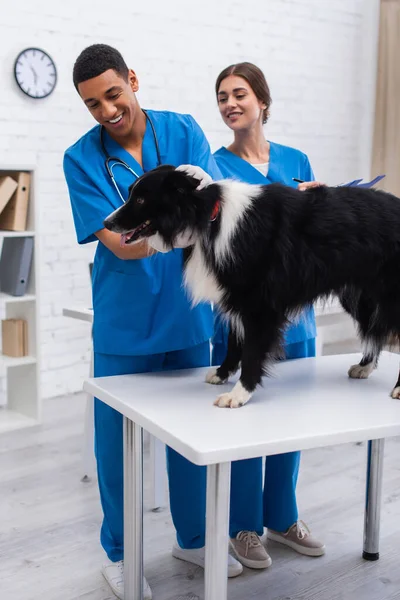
(22, 406)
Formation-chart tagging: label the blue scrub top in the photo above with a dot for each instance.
(140, 306)
(284, 164)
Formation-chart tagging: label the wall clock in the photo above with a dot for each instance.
(35, 73)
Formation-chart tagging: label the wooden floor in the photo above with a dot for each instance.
(49, 526)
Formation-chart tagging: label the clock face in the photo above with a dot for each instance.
(35, 73)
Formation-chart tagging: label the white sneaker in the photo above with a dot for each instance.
(113, 573)
(197, 557)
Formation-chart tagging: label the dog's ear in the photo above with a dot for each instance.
(160, 169)
(180, 182)
(165, 168)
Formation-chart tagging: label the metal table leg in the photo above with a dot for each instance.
(133, 511)
(217, 531)
(373, 499)
(158, 473)
(88, 457)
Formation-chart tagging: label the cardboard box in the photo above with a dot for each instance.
(8, 185)
(15, 214)
(14, 337)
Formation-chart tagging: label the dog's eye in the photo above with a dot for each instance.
(140, 200)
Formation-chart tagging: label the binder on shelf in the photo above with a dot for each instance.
(8, 185)
(14, 334)
(15, 213)
(15, 265)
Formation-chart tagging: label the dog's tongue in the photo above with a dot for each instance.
(125, 237)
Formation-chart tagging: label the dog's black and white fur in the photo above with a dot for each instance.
(264, 253)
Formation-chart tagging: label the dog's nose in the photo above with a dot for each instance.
(107, 224)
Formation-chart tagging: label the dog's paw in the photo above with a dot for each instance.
(233, 399)
(227, 401)
(360, 372)
(213, 378)
(396, 393)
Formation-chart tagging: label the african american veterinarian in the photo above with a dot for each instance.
(143, 320)
(244, 101)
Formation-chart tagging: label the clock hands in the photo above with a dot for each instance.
(34, 74)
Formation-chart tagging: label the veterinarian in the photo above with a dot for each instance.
(244, 101)
(143, 320)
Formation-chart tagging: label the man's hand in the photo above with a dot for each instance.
(129, 252)
(197, 173)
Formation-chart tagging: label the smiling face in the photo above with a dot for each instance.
(239, 106)
(112, 101)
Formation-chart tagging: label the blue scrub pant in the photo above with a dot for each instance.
(187, 482)
(276, 507)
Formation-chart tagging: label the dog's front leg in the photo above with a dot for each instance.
(230, 365)
(262, 335)
(252, 370)
(260, 338)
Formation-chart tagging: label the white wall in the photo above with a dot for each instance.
(313, 53)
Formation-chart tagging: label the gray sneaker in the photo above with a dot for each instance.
(250, 551)
(298, 537)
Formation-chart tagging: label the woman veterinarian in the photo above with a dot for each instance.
(244, 101)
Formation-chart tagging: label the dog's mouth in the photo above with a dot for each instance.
(131, 236)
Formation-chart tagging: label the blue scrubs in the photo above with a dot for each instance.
(139, 305)
(143, 319)
(276, 508)
(187, 482)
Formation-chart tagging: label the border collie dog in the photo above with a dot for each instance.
(264, 253)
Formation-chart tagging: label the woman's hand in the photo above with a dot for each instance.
(197, 173)
(306, 185)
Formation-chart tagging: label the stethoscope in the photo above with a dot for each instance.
(113, 161)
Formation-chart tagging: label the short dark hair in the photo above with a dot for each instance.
(254, 77)
(97, 59)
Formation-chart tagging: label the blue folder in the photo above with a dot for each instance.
(366, 184)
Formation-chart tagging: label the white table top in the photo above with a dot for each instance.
(308, 403)
(79, 312)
